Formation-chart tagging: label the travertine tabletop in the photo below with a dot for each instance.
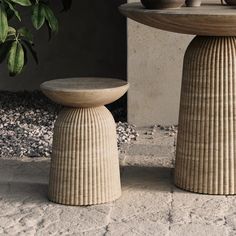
(209, 19)
(84, 92)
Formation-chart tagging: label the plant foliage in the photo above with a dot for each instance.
(16, 42)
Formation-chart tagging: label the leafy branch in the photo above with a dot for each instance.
(16, 43)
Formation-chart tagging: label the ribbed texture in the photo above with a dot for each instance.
(206, 147)
(84, 166)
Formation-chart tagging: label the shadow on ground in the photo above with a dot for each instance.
(21, 191)
(22, 180)
(148, 178)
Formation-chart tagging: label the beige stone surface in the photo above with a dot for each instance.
(84, 162)
(209, 19)
(84, 91)
(155, 60)
(205, 158)
(196, 230)
(150, 204)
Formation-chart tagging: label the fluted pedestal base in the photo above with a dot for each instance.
(85, 165)
(206, 147)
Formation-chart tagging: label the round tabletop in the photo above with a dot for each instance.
(84, 92)
(208, 20)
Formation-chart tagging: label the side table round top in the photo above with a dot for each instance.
(84, 92)
(209, 19)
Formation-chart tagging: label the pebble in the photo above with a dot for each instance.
(27, 121)
(125, 133)
(171, 130)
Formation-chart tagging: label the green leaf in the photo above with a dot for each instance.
(4, 49)
(11, 31)
(24, 32)
(38, 16)
(51, 19)
(24, 3)
(16, 58)
(16, 13)
(3, 24)
(34, 54)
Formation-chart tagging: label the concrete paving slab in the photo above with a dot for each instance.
(154, 135)
(198, 230)
(198, 208)
(150, 203)
(149, 161)
(150, 150)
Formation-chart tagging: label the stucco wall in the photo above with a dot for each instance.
(91, 42)
(155, 60)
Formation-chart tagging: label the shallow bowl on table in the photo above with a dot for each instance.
(162, 4)
(84, 92)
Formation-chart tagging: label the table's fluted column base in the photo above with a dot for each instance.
(85, 165)
(206, 146)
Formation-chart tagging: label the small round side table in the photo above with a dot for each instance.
(84, 166)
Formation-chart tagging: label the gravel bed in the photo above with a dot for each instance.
(27, 120)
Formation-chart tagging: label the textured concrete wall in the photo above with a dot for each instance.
(91, 42)
(155, 60)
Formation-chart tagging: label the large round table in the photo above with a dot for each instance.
(206, 146)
